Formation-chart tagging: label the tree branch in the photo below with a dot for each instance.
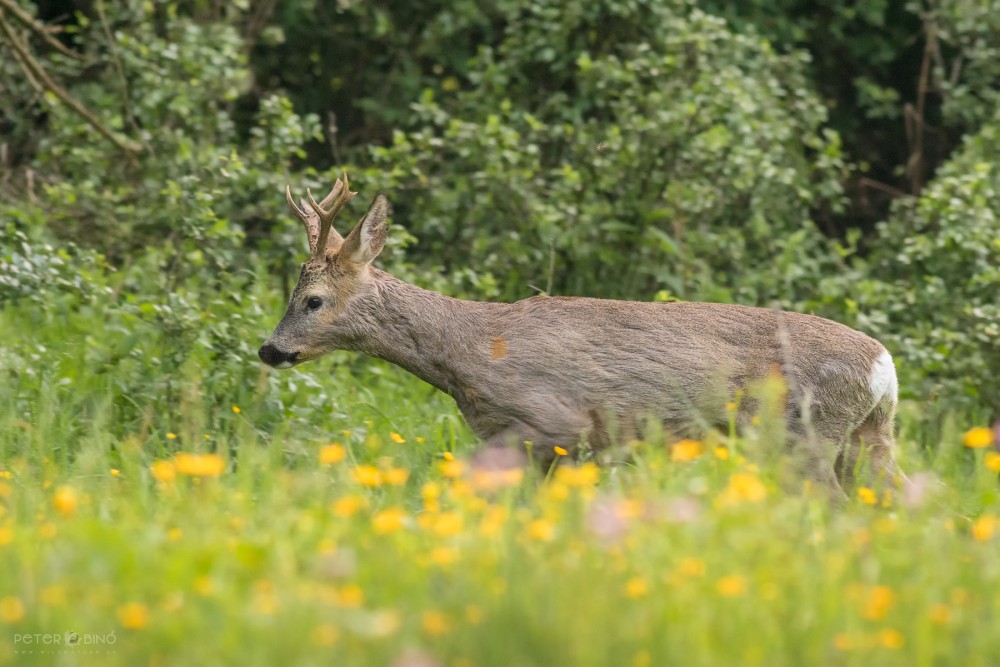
(33, 68)
(38, 29)
(126, 107)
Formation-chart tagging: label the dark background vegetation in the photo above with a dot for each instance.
(831, 157)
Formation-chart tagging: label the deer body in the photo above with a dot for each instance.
(556, 371)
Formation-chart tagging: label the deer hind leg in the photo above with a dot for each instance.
(868, 457)
(812, 455)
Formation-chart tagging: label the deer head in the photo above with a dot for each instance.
(334, 282)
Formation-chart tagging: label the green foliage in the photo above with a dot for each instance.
(684, 157)
(865, 64)
(936, 271)
(34, 272)
(970, 78)
(201, 183)
(285, 556)
(641, 149)
(361, 64)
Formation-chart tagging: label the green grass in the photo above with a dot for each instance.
(282, 559)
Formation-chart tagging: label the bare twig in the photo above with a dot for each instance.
(331, 134)
(260, 14)
(126, 107)
(866, 182)
(956, 70)
(39, 29)
(915, 165)
(33, 68)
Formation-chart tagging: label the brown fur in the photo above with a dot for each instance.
(557, 370)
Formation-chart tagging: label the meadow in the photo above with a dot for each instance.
(167, 500)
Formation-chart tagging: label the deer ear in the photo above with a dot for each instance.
(367, 239)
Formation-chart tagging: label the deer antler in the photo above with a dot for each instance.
(319, 220)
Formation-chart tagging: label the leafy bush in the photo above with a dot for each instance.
(33, 271)
(935, 277)
(639, 149)
(201, 183)
(642, 141)
(970, 78)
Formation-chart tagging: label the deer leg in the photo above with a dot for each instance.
(813, 450)
(537, 445)
(871, 448)
(515, 435)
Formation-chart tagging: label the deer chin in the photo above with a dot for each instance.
(301, 357)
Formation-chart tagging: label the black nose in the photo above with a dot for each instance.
(272, 356)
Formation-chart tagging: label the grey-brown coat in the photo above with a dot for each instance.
(559, 371)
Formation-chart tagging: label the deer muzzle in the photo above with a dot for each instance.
(272, 356)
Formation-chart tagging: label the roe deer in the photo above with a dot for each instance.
(559, 371)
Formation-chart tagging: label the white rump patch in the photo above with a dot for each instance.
(882, 381)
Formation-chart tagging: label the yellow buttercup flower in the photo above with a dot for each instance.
(347, 506)
(134, 616)
(11, 609)
(939, 614)
(579, 476)
(451, 468)
(978, 437)
(163, 471)
(351, 596)
(890, 638)
(731, 586)
(984, 527)
(877, 603)
(493, 521)
(389, 520)
(541, 530)
(65, 500)
(636, 588)
(367, 475)
(743, 488)
(691, 567)
(443, 556)
(867, 496)
(560, 451)
(199, 465)
(448, 524)
(332, 453)
(992, 461)
(435, 623)
(397, 438)
(685, 450)
(395, 476)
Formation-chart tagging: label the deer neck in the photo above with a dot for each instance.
(426, 333)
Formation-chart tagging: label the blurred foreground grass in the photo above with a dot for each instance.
(165, 501)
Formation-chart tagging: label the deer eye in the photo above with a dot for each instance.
(314, 302)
